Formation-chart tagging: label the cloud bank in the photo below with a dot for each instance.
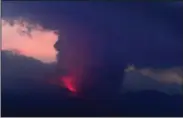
(29, 39)
(169, 80)
(167, 75)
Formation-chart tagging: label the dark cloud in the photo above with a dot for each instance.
(21, 74)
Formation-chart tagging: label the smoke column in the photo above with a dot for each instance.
(90, 61)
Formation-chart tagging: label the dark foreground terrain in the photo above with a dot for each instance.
(147, 103)
(54, 101)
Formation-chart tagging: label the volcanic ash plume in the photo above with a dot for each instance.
(90, 66)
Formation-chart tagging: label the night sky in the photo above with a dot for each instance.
(150, 33)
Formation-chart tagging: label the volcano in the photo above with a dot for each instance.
(69, 83)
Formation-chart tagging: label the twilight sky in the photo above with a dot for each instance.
(151, 32)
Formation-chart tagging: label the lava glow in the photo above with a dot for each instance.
(69, 83)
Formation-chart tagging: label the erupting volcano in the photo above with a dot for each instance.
(69, 83)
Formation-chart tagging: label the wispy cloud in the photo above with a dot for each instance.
(168, 80)
(29, 39)
(170, 75)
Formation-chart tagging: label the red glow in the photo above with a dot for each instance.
(69, 83)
